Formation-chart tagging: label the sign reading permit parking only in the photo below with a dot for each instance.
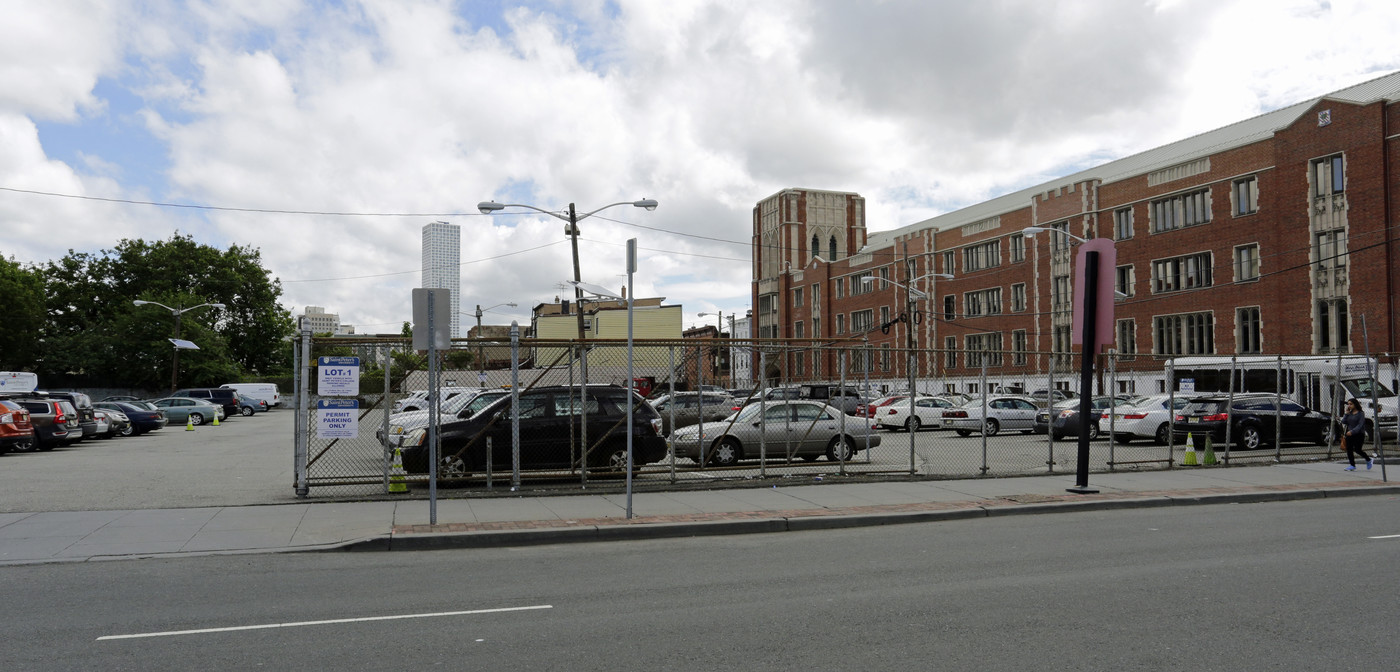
(337, 418)
(338, 376)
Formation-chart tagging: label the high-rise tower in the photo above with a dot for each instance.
(442, 252)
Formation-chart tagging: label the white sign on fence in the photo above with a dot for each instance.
(337, 418)
(338, 376)
(1187, 385)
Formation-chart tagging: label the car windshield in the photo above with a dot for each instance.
(1203, 407)
(480, 402)
(1361, 389)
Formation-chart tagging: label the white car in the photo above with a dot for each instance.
(1147, 418)
(928, 412)
(459, 407)
(1008, 412)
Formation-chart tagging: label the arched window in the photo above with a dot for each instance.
(831, 249)
(816, 246)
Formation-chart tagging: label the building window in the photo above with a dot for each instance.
(1058, 238)
(981, 256)
(950, 308)
(1247, 335)
(799, 363)
(840, 287)
(1184, 334)
(1246, 196)
(1018, 297)
(1189, 272)
(1017, 244)
(947, 262)
(1328, 177)
(1180, 211)
(1331, 247)
(862, 321)
(885, 357)
(1247, 263)
(1123, 224)
(859, 286)
(797, 297)
(983, 349)
(1060, 292)
(816, 249)
(816, 296)
(884, 314)
(982, 302)
(950, 354)
(840, 323)
(816, 327)
(1061, 346)
(1332, 326)
(1018, 347)
(884, 277)
(1127, 338)
(1123, 279)
(797, 330)
(831, 249)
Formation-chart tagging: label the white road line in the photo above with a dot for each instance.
(329, 622)
(1388, 536)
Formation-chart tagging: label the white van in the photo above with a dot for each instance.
(266, 391)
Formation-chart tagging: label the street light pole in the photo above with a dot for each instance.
(481, 349)
(177, 312)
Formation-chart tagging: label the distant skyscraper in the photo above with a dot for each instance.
(442, 259)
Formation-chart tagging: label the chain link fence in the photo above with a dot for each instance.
(1003, 413)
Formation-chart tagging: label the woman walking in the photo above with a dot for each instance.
(1354, 423)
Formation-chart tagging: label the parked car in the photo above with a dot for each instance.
(1252, 420)
(247, 405)
(183, 410)
(1144, 418)
(266, 392)
(420, 403)
(218, 396)
(121, 397)
(928, 412)
(780, 430)
(107, 426)
(117, 423)
(460, 407)
(869, 410)
(546, 417)
(144, 416)
(55, 422)
(16, 429)
(1044, 398)
(1003, 412)
(1062, 419)
(771, 394)
(848, 399)
(82, 403)
(689, 408)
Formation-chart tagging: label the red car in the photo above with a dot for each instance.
(16, 430)
(869, 410)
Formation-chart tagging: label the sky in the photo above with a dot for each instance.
(326, 133)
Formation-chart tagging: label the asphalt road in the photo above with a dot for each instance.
(1295, 585)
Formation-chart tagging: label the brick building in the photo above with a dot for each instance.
(1270, 235)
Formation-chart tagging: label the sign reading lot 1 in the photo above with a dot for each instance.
(337, 418)
(338, 376)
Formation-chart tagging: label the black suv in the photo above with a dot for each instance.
(1252, 420)
(549, 417)
(222, 396)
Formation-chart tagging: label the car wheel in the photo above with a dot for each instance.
(1163, 435)
(963, 432)
(725, 452)
(1093, 431)
(248, 411)
(26, 445)
(912, 424)
(840, 449)
(453, 466)
(196, 419)
(1250, 438)
(992, 426)
(128, 430)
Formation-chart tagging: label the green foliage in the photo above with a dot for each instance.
(95, 334)
(22, 308)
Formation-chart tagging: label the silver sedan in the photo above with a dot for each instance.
(781, 430)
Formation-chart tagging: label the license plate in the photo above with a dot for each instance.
(1193, 419)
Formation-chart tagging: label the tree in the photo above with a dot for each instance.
(22, 305)
(95, 334)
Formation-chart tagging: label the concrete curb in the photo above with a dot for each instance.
(672, 530)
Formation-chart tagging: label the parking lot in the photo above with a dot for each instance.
(243, 461)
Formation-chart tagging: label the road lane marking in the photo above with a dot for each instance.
(1388, 536)
(365, 619)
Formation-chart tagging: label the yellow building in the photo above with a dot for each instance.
(606, 320)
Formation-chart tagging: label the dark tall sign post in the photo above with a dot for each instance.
(1093, 326)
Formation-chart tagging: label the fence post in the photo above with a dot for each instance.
(671, 405)
(1112, 402)
(1171, 413)
(515, 406)
(1050, 414)
(583, 415)
(384, 406)
(1230, 407)
(984, 413)
(841, 453)
(1278, 411)
(762, 414)
(304, 402)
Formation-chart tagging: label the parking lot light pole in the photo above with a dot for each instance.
(177, 312)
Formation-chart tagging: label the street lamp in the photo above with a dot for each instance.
(911, 295)
(488, 207)
(177, 312)
(480, 349)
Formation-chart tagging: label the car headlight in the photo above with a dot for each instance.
(414, 438)
(396, 429)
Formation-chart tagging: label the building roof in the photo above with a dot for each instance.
(1249, 131)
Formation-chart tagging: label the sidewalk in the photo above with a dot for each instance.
(75, 536)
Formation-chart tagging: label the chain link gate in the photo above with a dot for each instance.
(572, 428)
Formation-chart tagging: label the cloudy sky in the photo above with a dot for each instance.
(403, 112)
